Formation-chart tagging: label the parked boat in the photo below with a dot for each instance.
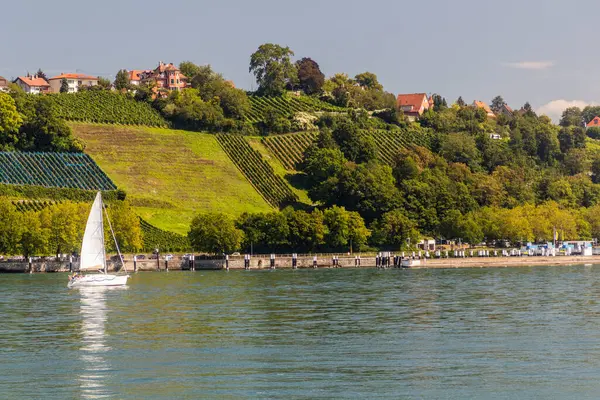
(410, 262)
(93, 254)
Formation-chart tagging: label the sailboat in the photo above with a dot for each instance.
(93, 254)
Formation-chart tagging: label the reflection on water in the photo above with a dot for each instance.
(95, 369)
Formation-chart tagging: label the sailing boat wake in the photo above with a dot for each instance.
(93, 254)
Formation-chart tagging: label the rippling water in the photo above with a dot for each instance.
(344, 333)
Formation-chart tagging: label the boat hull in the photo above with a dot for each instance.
(98, 280)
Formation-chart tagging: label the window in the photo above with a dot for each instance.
(79, 82)
(70, 81)
(178, 81)
(172, 81)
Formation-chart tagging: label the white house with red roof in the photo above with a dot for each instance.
(413, 105)
(75, 81)
(32, 84)
(135, 75)
(594, 122)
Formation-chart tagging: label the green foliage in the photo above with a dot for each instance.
(250, 162)
(572, 116)
(127, 227)
(496, 104)
(64, 86)
(122, 80)
(273, 69)
(63, 170)
(286, 106)
(105, 107)
(310, 77)
(10, 121)
(154, 238)
(10, 227)
(214, 233)
(58, 194)
(394, 230)
(356, 145)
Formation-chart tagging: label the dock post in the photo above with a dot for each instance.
(167, 265)
(31, 266)
(294, 261)
(247, 261)
(193, 262)
(227, 262)
(134, 263)
(314, 261)
(70, 263)
(272, 261)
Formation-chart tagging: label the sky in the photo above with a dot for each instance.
(541, 51)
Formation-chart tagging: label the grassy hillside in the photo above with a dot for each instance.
(170, 175)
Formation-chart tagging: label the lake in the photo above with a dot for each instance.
(501, 333)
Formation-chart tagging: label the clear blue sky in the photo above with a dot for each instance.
(535, 50)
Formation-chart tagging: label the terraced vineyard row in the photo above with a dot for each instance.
(287, 106)
(32, 205)
(290, 148)
(154, 237)
(259, 173)
(64, 170)
(106, 107)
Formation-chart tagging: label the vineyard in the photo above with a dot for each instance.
(64, 170)
(155, 238)
(272, 187)
(32, 205)
(289, 148)
(287, 106)
(105, 107)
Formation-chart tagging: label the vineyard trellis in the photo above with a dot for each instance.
(63, 170)
(259, 173)
(154, 237)
(289, 148)
(105, 107)
(287, 106)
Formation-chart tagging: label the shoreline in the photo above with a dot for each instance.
(264, 263)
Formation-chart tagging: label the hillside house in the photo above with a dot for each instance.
(32, 84)
(485, 107)
(506, 110)
(75, 81)
(166, 76)
(413, 105)
(3, 84)
(135, 76)
(594, 122)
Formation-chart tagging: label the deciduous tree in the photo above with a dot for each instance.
(310, 77)
(271, 65)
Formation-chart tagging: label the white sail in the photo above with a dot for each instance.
(92, 248)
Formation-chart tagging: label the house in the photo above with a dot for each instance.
(485, 107)
(75, 81)
(166, 77)
(594, 122)
(135, 76)
(495, 136)
(413, 105)
(3, 84)
(506, 110)
(33, 84)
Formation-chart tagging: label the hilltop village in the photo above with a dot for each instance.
(305, 163)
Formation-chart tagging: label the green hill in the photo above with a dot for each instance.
(170, 175)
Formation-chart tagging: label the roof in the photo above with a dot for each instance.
(135, 74)
(414, 99)
(594, 122)
(3, 81)
(74, 76)
(33, 81)
(481, 104)
(507, 108)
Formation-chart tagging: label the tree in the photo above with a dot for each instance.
(368, 80)
(394, 230)
(214, 233)
(310, 77)
(460, 148)
(122, 80)
(34, 237)
(460, 102)
(189, 69)
(306, 230)
(439, 103)
(572, 116)
(338, 229)
(126, 226)
(273, 69)
(497, 104)
(65, 224)
(593, 132)
(103, 83)
(589, 112)
(41, 74)
(10, 121)
(64, 86)
(10, 227)
(356, 145)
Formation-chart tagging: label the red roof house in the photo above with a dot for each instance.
(594, 122)
(33, 84)
(412, 105)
